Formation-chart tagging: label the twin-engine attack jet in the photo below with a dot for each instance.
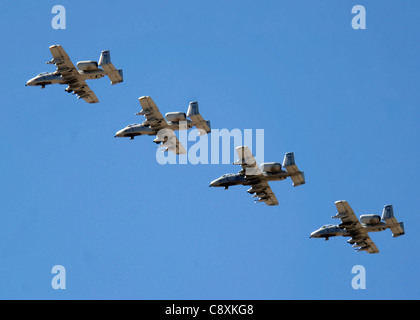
(358, 230)
(256, 177)
(156, 125)
(66, 73)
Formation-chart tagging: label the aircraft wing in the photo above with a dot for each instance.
(352, 225)
(170, 142)
(254, 174)
(247, 162)
(264, 193)
(366, 244)
(153, 116)
(70, 74)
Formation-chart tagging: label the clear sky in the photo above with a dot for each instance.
(345, 101)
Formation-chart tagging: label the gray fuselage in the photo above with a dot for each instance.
(329, 231)
(145, 129)
(47, 78)
(232, 179)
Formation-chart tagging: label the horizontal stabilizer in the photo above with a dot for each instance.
(396, 227)
(115, 75)
(196, 118)
(297, 176)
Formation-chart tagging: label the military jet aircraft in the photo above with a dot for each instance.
(66, 73)
(256, 177)
(156, 125)
(350, 226)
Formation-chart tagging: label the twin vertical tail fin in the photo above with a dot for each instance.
(196, 118)
(115, 75)
(298, 177)
(396, 227)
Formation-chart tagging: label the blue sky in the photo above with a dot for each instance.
(344, 101)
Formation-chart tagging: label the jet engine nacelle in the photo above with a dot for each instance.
(87, 65)
(370, 219)
(271, 167)
(176, 116)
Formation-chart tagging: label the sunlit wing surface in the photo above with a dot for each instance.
(170, 141)
(367, 244)
(254, 175)
(264, 193)
(156, 121)
(153, 116)
(350, 222)
(70, 74)
(247, 162)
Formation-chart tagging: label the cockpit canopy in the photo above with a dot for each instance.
(228, 175)
(132, 125)
(43, 73)
(327, 226)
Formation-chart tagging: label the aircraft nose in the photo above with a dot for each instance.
(213, 183)
(118, 134)
(30, 82)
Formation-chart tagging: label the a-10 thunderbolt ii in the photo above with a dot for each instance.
(156, 125)
(350, 226)
(252, 175)
(67, 74)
